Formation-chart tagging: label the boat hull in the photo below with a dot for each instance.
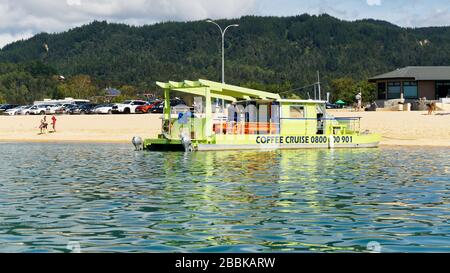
(269, 142)
(219, 147)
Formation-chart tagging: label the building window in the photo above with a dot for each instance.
(297, 111)
(394, 90)
(410, 90)
(442, 89)
(381, 90)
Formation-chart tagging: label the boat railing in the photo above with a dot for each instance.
(330, 125)
(246, 128)
(338, 126)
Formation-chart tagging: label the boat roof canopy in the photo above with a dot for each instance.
(218, 90)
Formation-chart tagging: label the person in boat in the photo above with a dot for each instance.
(231, 117)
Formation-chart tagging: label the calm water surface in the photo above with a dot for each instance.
(108, 198)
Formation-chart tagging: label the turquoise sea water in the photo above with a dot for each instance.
(109, 198)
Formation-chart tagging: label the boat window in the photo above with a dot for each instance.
(297, 111)
(198, 105)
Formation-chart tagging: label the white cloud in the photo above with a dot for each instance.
(6, 38)
(73, 2)
(432, 17)
(374, 2)
(22, 18)
(30, 16)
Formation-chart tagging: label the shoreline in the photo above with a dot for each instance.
(396, 128)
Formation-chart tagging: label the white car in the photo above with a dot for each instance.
(127, 107)
(103, 109)
(38, 109)
(52, 109)
(15, 111)
(25, 110)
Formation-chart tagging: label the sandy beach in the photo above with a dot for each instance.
(397, 128)
(80, 128)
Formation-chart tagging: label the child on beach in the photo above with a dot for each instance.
(54, 123)
(43, 125)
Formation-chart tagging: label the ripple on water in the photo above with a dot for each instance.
(109, 198)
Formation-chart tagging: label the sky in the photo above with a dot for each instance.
(21, 19)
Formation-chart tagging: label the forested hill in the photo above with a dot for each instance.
(271, 52)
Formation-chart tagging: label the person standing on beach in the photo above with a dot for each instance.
(54, 123)
(358, 98)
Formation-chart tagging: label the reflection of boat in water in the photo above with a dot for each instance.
(253, 120)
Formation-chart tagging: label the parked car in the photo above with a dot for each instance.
(38, 109)
(5, 107)
(127, 107)
(52, 109)
(25, 110)
(331, 105)
(147, 107)
(83, 109)
(159, 107)
(103, 109)
(15, 111)
(65, 108)
(11, 111)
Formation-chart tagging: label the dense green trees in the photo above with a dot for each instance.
(25, 82)
(271, 53)
(79, 87)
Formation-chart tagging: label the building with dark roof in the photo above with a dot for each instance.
(413, 82)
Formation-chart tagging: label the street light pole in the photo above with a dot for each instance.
(222, 32)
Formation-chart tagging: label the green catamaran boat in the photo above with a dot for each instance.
(253, 119)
